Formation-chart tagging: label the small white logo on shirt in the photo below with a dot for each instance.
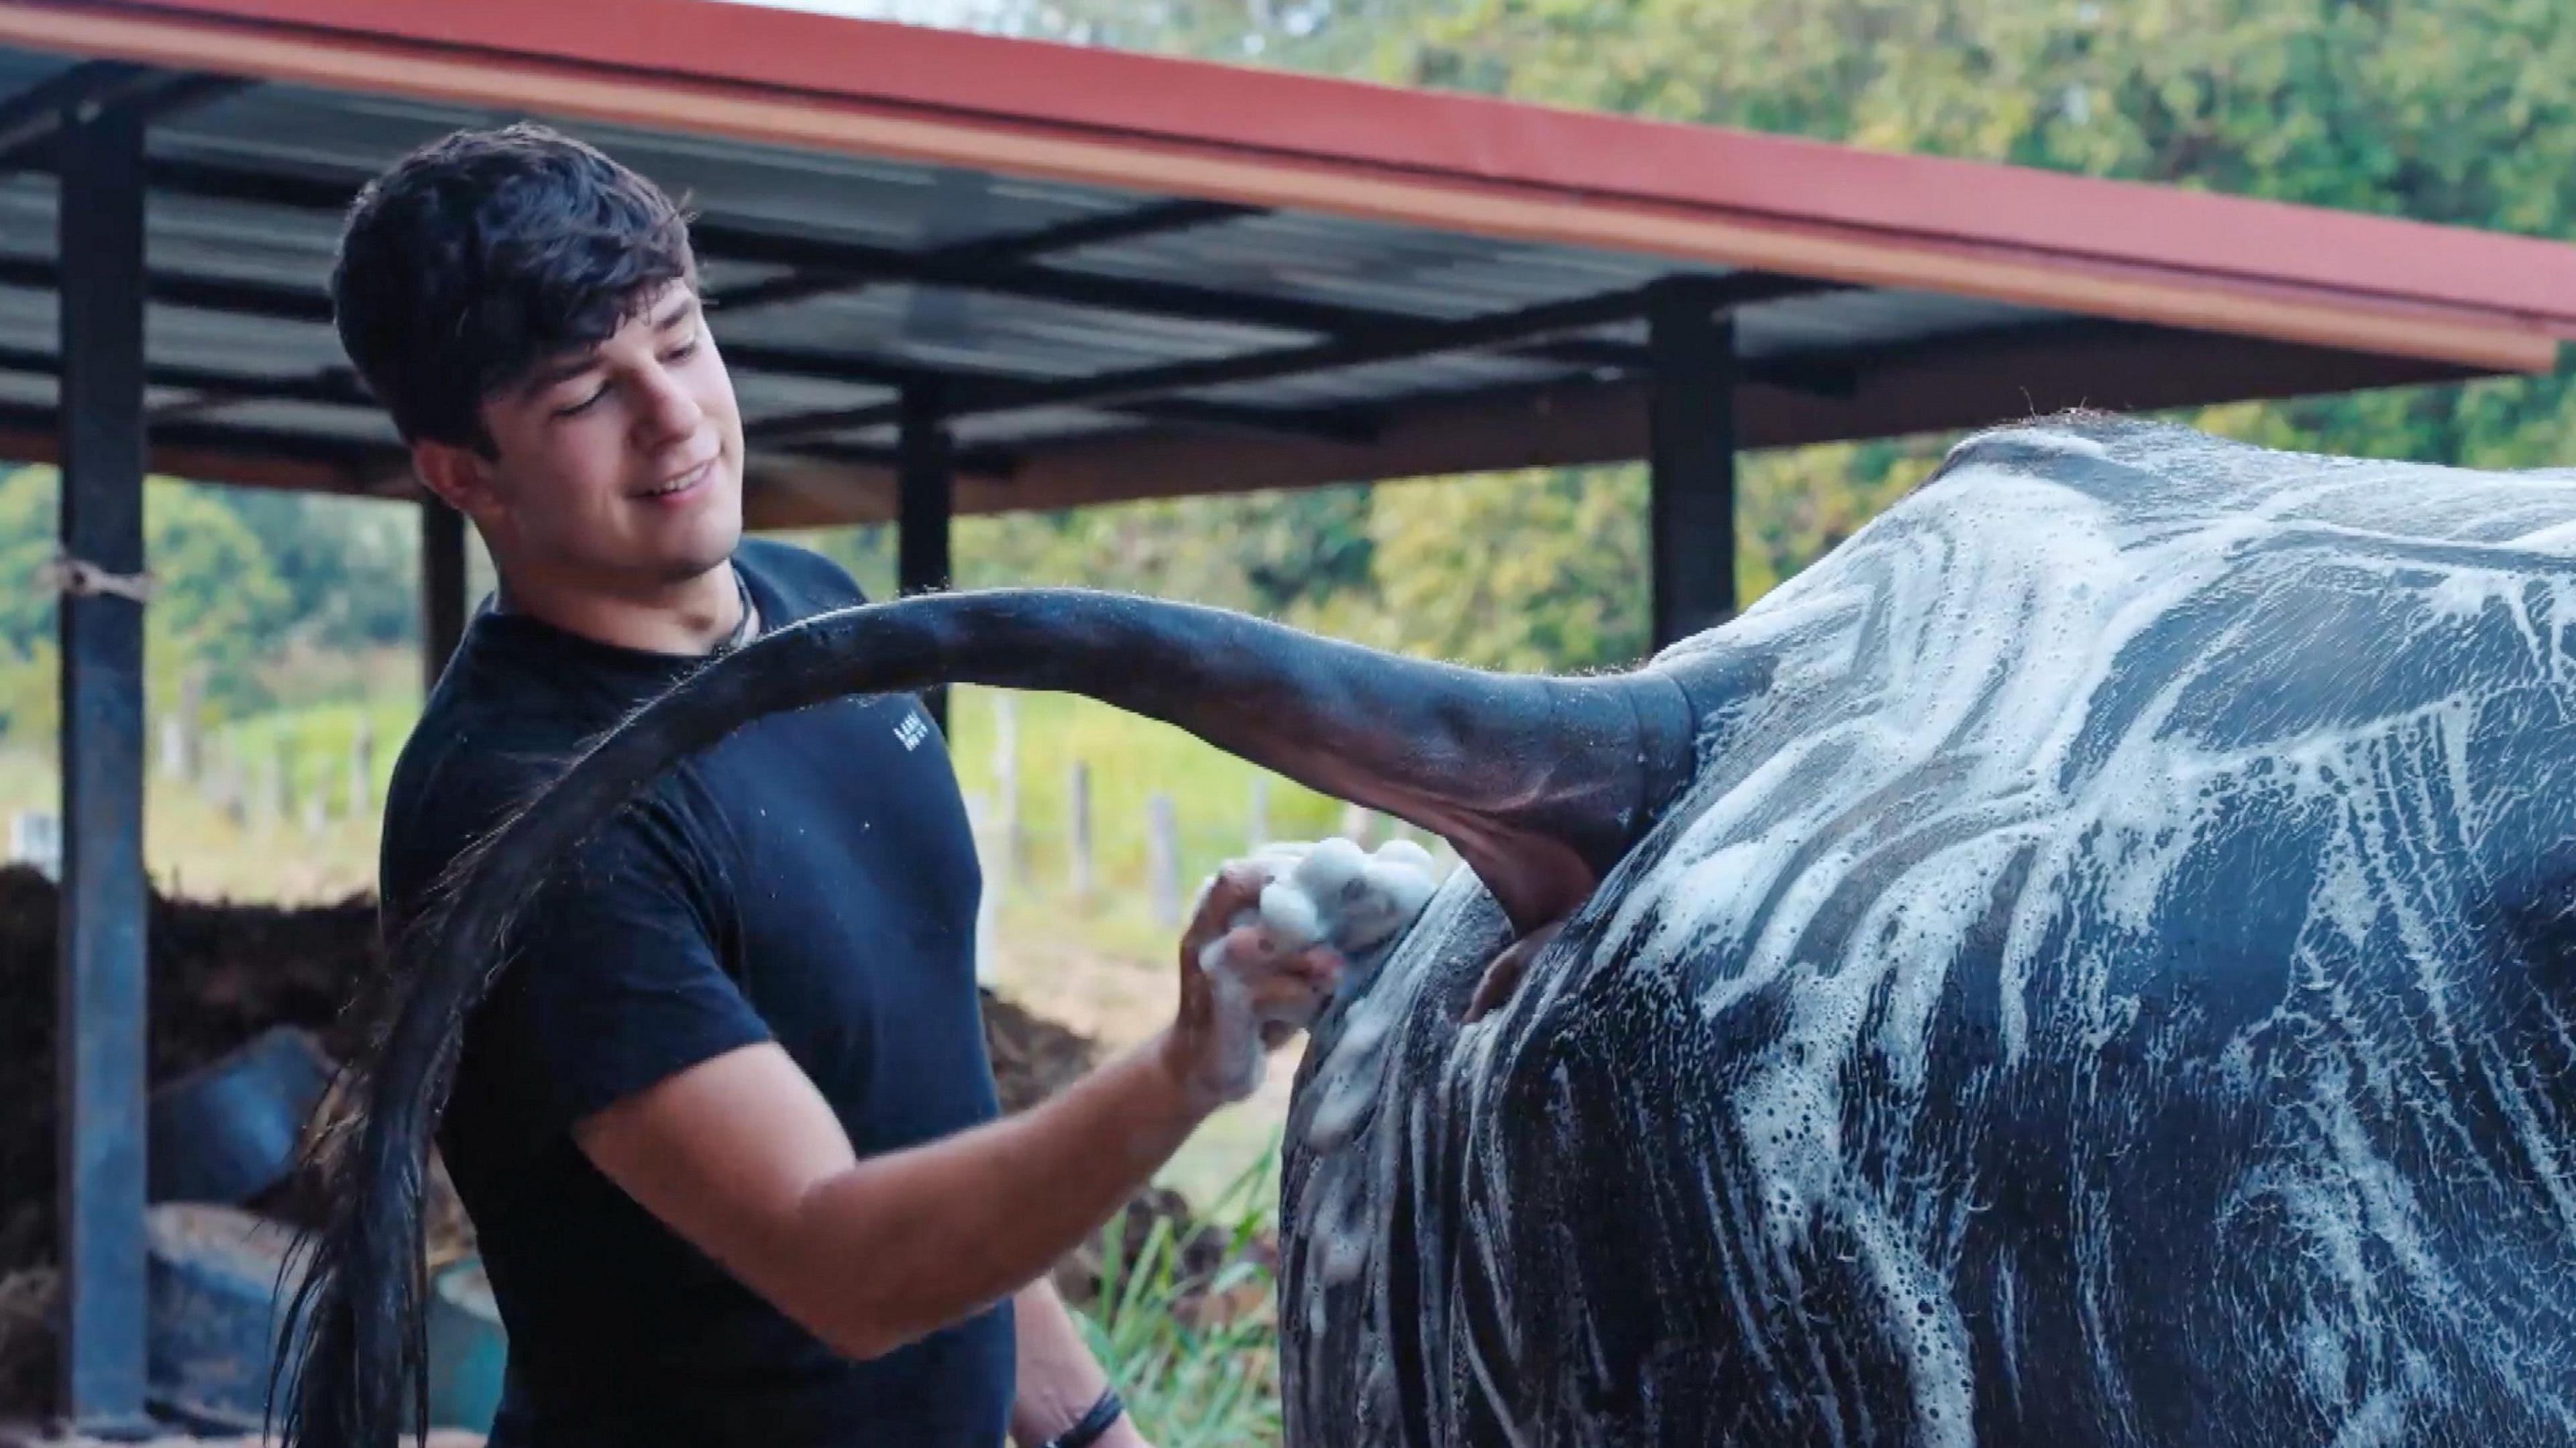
(912, 731)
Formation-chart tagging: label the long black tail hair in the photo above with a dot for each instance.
(1539, 783)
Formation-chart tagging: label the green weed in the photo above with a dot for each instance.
(1204, 1378)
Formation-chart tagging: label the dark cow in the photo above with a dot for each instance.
(2088, 962)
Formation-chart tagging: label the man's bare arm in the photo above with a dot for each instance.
(741, 1156)
(1058, 1379)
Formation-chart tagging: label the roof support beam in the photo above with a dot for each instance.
(177, 426)
(864, 265)
(31, 117)
(1352, 425)
(333, 385)
(821, 265)
(300, 189)
(359, 467)
(182, 289)
(1353, 334)
(858, 263)
(1391, 344)
(1154, 220)
(1915, 387)
(32, 120)
(994, 465)
(258, 299)
(227, 463)
(1910, 388)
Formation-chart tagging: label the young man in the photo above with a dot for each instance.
(726, 1128)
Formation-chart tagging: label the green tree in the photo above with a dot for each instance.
(217, 609)
(350, 565)
(30, 693)
(2453, 111)
(1530, 570)
(1271, 553)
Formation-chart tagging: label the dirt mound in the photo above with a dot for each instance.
(219, 975)
(1032, 1058)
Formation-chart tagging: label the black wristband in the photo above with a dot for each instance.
(1092, 1424)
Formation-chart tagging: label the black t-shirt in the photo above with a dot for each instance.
(811, 881)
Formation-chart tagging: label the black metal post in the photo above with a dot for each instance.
(99, 1012)
(442, 588)
(925, 499)
(1691, 445)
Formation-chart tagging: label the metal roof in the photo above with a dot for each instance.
(1131, 276)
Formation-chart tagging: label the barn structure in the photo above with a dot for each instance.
(964, 274)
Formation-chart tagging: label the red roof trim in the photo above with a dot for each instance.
(1434, 135)
(1447, 162)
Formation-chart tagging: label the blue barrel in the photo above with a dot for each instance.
(215, 1309)
(467, 1349)
(228, 1130)
(218, 1286)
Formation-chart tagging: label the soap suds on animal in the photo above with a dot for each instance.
(1330, 893)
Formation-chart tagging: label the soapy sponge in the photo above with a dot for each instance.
(1329, 893)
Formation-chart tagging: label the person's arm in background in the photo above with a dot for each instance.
(741, 1156)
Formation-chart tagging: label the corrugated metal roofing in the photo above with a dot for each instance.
(943, 271)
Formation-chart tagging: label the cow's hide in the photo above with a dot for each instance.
(2111, 987)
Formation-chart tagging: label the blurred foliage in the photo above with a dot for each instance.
(219, 603)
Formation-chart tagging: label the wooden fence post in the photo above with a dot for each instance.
(222, 785)
(362, 766)
(1357, 823)
(979, 815)
(271, 806)
(174, 747)
(181, 754)
(1014, 852)
(1163, 859)
(1078, 828)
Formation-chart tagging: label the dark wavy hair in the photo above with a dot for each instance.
(484, 253)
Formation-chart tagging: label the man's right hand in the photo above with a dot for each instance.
(1242, 988)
